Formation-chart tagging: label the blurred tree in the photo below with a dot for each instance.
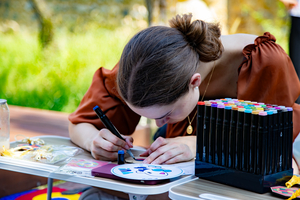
(244, 16)
(163, 11)
(44, 17)
(149, 6)
(157, 8)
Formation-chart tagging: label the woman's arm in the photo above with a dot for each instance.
(296, 154)
(295, 167)
(82, 134)
(102, 144)
(85, 127)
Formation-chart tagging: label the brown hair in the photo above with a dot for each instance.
(157, 63)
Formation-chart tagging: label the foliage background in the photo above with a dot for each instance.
(92, 33)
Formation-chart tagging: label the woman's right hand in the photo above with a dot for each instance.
(105, 145)
(102, 144)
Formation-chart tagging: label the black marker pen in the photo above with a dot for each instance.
(200, 130)
(275, 141)
(107, 123)
(285, 140)
(270, 141)
(219, 134)
(246, 139)
(206, 132)
(290, 137)
(253, 141)
(262, 143)
(212, 138)
(232, 137)
(280, 139)
(226, 130)
(239, 139)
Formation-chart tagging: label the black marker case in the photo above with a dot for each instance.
(251, 152)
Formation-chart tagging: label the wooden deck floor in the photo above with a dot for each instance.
(32, 122)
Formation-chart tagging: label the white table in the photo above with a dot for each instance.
(48, 170)
(191, 189)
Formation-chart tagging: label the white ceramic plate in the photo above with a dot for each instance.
(146, 171)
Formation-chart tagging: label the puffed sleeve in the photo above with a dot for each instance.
(268, 75)
(103, 92)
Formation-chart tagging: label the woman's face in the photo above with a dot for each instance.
(169, 114)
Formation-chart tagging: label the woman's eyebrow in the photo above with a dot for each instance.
(164, 115)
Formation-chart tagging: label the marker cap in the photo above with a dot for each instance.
(248, 111)
(255, 112)
(235, 108)
(207, 103)
(263, 113)
(270, 112)
(201, 103)
(221, 106)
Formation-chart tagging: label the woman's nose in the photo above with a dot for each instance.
(161, 122)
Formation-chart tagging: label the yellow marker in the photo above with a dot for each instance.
(295, 195)
(241, 109)
(294, 180)
(255, 112)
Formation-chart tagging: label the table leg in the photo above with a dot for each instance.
(137, 197)
(49, 189)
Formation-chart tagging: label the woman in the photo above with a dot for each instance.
(161, 74)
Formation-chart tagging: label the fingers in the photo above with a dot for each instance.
(106, 145)
(129, 141)
(156, 149)
(161, 155)
(101, 154)
(146, 153)
(167, 151)
(160, 141)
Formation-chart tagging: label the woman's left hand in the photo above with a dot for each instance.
(171, 150)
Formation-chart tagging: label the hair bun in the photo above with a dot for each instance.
(203, 37)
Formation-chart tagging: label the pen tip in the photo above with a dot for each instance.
(95, 107)
(130, 153)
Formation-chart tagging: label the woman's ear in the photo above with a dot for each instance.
(195, 80)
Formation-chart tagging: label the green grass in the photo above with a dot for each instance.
(57, 77)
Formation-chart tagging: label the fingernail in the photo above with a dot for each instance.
(127, 147)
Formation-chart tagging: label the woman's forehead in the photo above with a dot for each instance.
(153, 112)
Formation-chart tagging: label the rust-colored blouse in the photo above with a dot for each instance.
(266, 75)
